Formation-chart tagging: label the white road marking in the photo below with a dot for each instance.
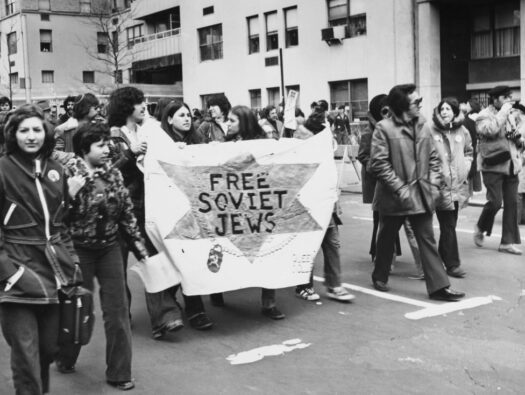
(437, 227)
(266, 351)
(429, 309)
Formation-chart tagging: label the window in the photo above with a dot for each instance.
(102, 42)
(85, 6)
(210, 40)
(9, 7)
(495, 31)
(88, 77)
(133, 33)
(274, 97)
(352, 92)
(118, 76)
(11, 43)
(114, 41)
(44, 17)
(255, 99)
(354, 18)
(292, 31)
(253, 34)
(207, 10)
(13, 79)
(272, 35)
(48, 76)
(46, 42)
(271, 61)
(44, 5)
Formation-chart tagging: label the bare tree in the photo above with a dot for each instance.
(112, 52)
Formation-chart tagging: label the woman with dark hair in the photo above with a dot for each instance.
(162, 306)
(454, 146)
(99, 211)
(32, 191)
(85, 110)
(244, 126)
(159, 108)
(215, 127)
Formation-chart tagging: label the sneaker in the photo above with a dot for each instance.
(307, 294)
(509, 248)
(122, 385)
(478, 237)
(340, 294)
(171, 326)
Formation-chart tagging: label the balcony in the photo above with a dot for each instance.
(141, 9)
(156, 45)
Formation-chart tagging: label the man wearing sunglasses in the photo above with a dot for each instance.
(408, 170)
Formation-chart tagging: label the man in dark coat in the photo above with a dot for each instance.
(407, 167)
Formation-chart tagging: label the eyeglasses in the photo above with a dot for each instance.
(417, 102)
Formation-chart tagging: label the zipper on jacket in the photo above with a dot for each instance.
(76, 339)
(9, 213)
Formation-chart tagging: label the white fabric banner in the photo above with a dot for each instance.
(239, 214)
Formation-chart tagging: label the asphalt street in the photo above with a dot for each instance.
(377, 344)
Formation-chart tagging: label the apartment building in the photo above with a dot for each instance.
(255, 51)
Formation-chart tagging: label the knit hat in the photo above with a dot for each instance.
(500, 90)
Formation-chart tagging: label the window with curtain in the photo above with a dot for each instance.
(255, 99)
(102, 42)
(210, 42)
(48, 76)
(292, 30)
(507, 30)
(46, 41)
(85, 6)
(272, 33)
(495, 31)
(253, 34)
(337, 12)
(9, 7)
(274, 97)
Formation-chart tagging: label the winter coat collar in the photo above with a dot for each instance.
(77, 166)
(27, 163)
(442, 126)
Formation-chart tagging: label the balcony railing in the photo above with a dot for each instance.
(155, 36)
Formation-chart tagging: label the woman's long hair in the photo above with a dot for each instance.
(17, 117)
(190, 136)
(249, 128)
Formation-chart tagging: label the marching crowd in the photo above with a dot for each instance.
(75, 191)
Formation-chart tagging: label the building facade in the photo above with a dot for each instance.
(255, 51)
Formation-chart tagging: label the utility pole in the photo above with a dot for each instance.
(283, 94)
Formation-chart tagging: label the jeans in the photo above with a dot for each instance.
(435, 276)
(448, 241)
(31, 331)
(501, 188)
(332, 260)
(106, 265)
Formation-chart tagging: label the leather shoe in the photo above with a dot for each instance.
(447, 294)
(65, 369)
(273, 312)
(509, 248)
(456, 272)
(201, 321)
(122, 385)
(381, 286)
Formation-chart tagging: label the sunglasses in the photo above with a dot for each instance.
(417, 102)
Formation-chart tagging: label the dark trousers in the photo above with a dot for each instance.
(435, 276)
(31, 331)
(163, 307)
(372, 251)
(501, 188)
(448, 241)
(106, 265)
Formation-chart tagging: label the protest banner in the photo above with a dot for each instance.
(243, 214)
(290, 122)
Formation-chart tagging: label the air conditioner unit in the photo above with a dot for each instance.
(327, 34)
(340, 31)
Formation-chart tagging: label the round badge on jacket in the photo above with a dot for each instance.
(437, 138)
(458, 138)
(53, 175)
